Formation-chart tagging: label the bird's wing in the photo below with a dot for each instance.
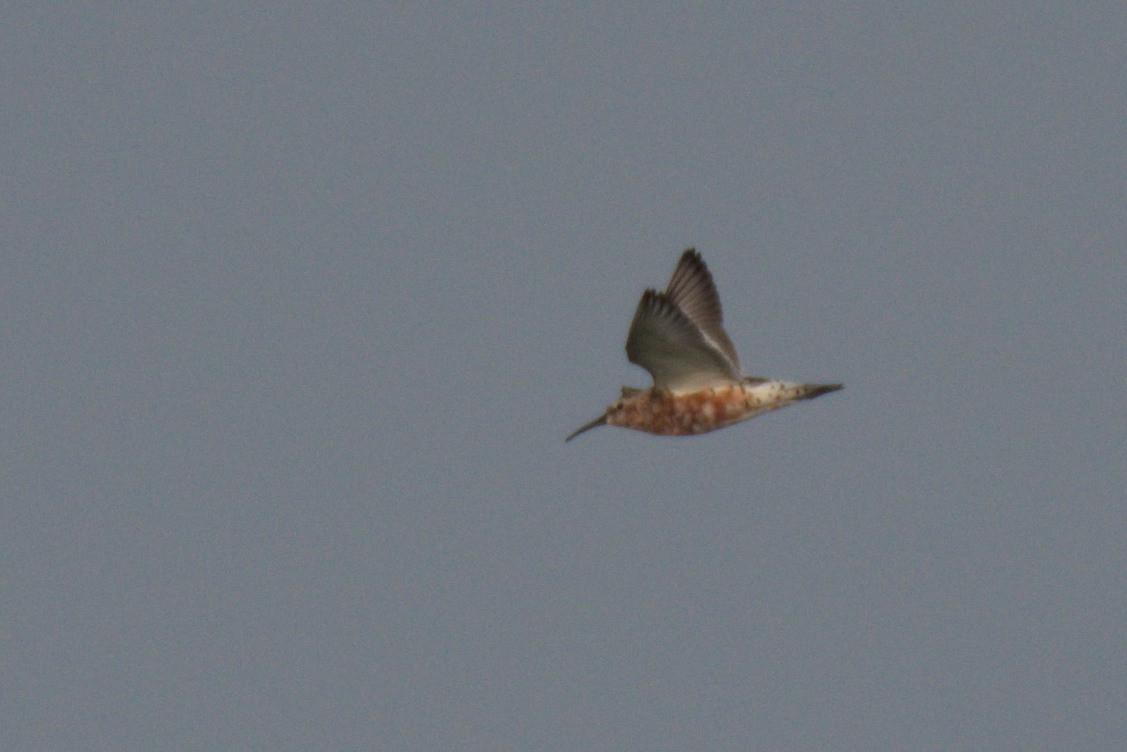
(691, 289)
(674, 349)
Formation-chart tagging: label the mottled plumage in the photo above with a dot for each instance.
(678, 336)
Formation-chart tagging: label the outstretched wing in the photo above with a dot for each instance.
(677, 335)
(691, 289)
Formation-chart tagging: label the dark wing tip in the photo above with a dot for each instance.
(692, 279)
(690, 258)
(656, 304)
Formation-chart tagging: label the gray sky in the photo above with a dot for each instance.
(299, 305)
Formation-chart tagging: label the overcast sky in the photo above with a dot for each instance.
(299, 303)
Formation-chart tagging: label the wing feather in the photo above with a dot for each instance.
(692, 290)
(674, 349)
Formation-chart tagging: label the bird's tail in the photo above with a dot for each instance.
(810, 391)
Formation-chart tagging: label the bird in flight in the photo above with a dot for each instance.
(678, 336)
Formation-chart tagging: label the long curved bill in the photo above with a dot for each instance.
(599, 421)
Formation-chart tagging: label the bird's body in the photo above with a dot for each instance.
(678, 336)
